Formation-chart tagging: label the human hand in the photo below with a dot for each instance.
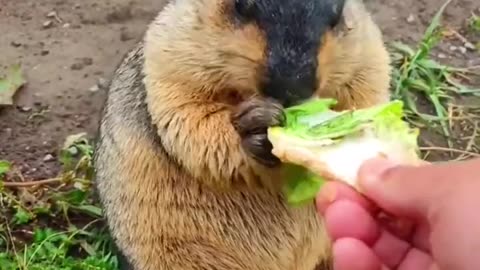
(415, 218)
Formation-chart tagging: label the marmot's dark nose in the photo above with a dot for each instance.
(294, 85)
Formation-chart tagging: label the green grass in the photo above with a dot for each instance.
(417, 76)
(474, 23)
(56, 224)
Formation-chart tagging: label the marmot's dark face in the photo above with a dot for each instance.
(271, 47)
(293, 30)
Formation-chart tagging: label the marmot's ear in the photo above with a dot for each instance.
(334, 9)
(353, 11)
(338, 6)
(245, 8)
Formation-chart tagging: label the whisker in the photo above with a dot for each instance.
(237, 55)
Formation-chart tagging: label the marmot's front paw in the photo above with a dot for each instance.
(251, 120)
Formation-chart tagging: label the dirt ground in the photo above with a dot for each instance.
(68, 50)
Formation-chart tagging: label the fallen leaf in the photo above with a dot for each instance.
(4, 167)
(9, 85)
(72, 139)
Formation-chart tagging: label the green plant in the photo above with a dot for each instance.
(4, 168)
(416, 73)
(61, 206)
(474, 23)
(50, 249)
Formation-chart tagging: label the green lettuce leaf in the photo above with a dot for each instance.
(315, 126)
(302, 184)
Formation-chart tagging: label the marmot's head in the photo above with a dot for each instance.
(271, 47)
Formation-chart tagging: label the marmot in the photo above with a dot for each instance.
(184, 169)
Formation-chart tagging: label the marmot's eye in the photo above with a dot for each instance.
(245, 8)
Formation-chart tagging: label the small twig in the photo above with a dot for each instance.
(451, 150)
(459, 36)
(13, 199)
(450, 115)
(24, 232)
(471, 141)
(456, 118)
(31, 183)
(426, 155)
(9, 231)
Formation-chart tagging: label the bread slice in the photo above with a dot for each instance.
(323, 144)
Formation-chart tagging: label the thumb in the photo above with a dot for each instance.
(404, 191)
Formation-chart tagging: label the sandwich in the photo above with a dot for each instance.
(318, 144)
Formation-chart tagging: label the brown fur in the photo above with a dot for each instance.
(355, 64)
(178, 189)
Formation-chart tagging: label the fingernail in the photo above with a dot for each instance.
(326, 196)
